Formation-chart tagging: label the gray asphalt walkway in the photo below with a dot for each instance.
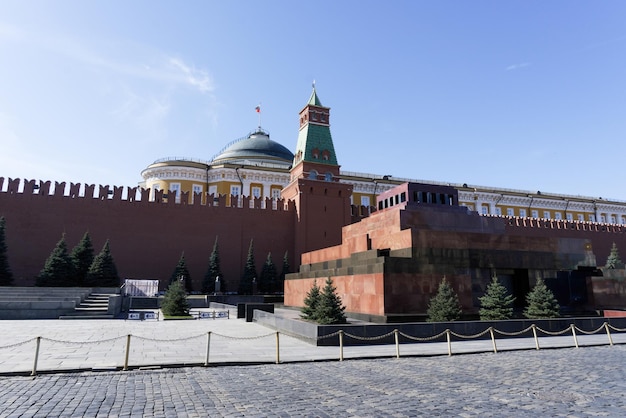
(69, 345)
(517, 381)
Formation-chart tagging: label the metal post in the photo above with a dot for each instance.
(534, 327)
(277, 347)
(208, 346)
(34, 372)
(340, 345)
(449, 342)
(395, 335)
(493, 340)
(574, 334)
(608, 333)
(127, 352)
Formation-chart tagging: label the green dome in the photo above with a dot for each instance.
(256, 147)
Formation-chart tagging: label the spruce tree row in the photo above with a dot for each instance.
(80, 267)
(496, 304)
(324, 306)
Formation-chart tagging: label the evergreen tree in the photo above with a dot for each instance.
(182, 273)
(214, 271)
(444, 306)
(249, 273)
(58, 269)
(175, 300)
(541, 302)
(496, 304)
(613, 261)
(6, 276)
(285, 270)
(311, 301)
(103, 272)
(82, 256)
(330, 310)
(267, 282)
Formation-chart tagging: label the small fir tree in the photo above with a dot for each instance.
(613, 261)
(496, 304)
(214, 271)
(6, 275)
(285, 270)
(175, 300)
(267, 282)
(330, 310)
(541, 302)
(58, 269)
(82, 256)
(246, 285)
(181, 272)
(444, 306)
(311, 301)
(103, 272)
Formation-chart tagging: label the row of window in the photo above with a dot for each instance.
(557, 215)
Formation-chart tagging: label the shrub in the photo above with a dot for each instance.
(496, 304)
(175, 300)
(444, 306)
(541, 302)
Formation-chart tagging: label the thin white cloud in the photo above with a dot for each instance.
(197, 78)
(156, 66)
(517, 66)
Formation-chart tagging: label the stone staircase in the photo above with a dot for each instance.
(94, 306)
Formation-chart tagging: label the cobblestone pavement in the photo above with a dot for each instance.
(589, 381)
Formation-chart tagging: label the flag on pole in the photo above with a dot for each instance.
(258, 109)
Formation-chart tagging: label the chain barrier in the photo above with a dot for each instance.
(334, 334)
(595, 331)
(513, 334)
(158, 340)
(469, 337)
(617, 329)
(257, 337)
(605, 327)
(378, 337)
(554, 333)
(17, 344)
(67, 342)
(422, 339)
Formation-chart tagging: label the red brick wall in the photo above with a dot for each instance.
(146, 238)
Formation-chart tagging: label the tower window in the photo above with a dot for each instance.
(313, 175)
(328, 177)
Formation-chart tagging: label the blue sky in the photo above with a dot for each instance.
(524, 95)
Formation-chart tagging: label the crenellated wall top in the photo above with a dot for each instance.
(136, 195)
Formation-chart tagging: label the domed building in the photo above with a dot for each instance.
(253, 165)
(259, 167)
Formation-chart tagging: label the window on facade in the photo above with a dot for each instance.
(499, 211)
(557, 215)
(275, 194)
(613, 219)
(365, 200)
(623, 220)
(403, 197)
(522, 213)
(510, 212)
(313, 116)
(534, 213)
(235, 190)
(313, 175)
(213, 191)
(175, 189)
(256, 192)
(484, 210)
(196, 188)
(155, 188)
(592, 218)
(328, 177)
(581, 217)
(569, 217)
(546, 214)
(602, 218)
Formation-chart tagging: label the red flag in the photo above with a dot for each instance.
(258, 109)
